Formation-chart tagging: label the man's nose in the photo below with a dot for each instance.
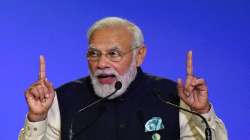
(103, 62)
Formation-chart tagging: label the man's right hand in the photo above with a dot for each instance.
(40, 95)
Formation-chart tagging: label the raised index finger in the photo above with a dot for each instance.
(42, 70)
(189, 64)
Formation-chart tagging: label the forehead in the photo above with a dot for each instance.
(110, 37)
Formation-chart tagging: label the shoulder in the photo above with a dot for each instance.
(75, 93)
(73, 86)
(165, 87)
(161, 82)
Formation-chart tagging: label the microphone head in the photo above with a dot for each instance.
(118, 85)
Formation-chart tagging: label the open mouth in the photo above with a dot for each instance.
(106, 78)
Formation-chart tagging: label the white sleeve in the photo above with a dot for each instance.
(49, 129)
(193, 128)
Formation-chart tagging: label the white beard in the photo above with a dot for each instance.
(103, 90)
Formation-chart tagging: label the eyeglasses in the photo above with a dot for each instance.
(114, 55)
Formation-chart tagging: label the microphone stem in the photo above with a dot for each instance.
(71, 133)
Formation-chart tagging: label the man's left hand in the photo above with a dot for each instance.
(195, 92)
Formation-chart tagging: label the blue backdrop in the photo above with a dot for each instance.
(217, 31)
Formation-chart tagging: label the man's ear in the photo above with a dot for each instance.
(141, 53)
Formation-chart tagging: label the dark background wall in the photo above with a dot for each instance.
(216, 30)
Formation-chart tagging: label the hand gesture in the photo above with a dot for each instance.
(40, 95)
(195, 91)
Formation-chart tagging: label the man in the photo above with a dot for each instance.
(116, 51)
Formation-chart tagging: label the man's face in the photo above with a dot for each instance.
(106, 40)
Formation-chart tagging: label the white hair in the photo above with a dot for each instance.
(117, 21)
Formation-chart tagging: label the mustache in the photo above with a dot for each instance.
(108, 71)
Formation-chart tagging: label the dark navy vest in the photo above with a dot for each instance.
(123, 118)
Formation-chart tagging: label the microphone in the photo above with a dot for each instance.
(118, 86)
(208, 132)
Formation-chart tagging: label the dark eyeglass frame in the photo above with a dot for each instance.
(114, 54)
